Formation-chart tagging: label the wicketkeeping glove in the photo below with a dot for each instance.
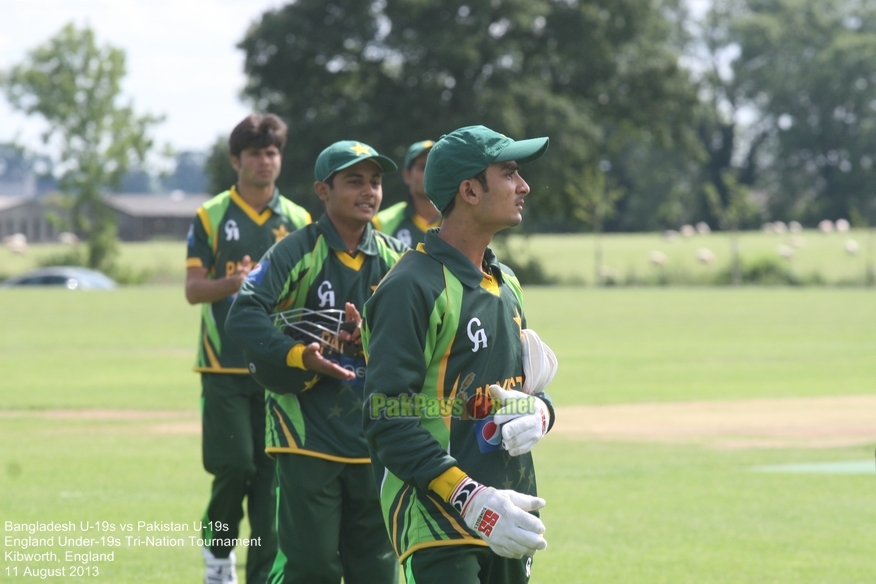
(539, 362)
(524, 419)
(500, 517)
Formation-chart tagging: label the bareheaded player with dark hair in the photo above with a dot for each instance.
(297, 317)
(228, 231)
(454, 393)
(410, 219)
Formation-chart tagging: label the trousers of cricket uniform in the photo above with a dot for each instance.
(233, 449)
(330, 525)
(465, 564)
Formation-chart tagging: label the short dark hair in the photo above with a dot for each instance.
(481, 177)
(257, 131)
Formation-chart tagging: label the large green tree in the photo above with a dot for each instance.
(75, 85)
(596, 76)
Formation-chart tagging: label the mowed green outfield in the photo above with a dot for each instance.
(99, 418)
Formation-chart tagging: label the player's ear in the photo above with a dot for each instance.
(321, 189)
(235, 163)
(469, 192)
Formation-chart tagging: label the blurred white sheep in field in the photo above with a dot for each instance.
(786, 251)
(68, 238)
(703, 228)
(768, 227)
(797, 241)
(17, 243)
(795, 227)
(705, 256)
(780, 227)
(688, 230)
(658, 258)
(670, 235)
(852, 247)
(825, 226)
(842, 225)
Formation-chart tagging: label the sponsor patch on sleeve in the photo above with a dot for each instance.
(257, 274)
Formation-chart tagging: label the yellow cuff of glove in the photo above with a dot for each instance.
(294, 358)
(446, 482)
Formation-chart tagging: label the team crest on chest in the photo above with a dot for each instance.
(326, 294)
(232, 231)
(478, 336)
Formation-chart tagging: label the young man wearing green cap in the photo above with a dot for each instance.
(455, 388)
(229, 230)
(409, 220)
(328, 516)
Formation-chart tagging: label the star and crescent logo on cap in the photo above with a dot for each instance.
(360, 149)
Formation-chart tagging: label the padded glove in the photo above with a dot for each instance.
(501, 518)
(524, 419)
(539, 362)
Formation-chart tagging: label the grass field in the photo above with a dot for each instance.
(569, 259)
(99, 418)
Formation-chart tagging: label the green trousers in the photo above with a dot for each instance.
(330, 525)
(233, 449)
(464, 564)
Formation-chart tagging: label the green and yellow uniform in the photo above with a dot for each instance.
(224, 230)
(403, 223)
(327, 501)
(437, 332)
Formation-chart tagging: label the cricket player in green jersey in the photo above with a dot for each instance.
(290, 316)
(229, 230)
(409, 220)
(455, 381)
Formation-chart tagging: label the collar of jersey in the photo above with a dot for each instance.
(457, 263)
(259, 218)
(367, 244)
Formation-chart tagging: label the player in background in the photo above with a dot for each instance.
(328, 517)
(454, 395)
(227, 232)
(409, 220)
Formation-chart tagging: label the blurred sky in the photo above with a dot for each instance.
(181, 57)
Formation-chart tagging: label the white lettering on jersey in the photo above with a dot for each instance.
(404, 235)
(232, 233)
(478, 337)
(326, 294)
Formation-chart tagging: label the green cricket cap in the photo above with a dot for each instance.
(463, 153)
(345, 154)
(415, 150)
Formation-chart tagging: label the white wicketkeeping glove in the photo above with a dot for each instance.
(539, 362)
(524, 419)
(500, 517)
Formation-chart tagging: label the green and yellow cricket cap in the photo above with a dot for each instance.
(345, 154)
(463, 153)
(415, 150)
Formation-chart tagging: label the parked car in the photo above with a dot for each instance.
(71, 277)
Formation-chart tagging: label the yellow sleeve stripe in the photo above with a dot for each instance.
(194, 263)
(446, 482)
(294, 358)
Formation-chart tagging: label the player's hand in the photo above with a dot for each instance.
(314, 361)
(352, 316)
(501, 518)
(242, 271)
(539, 362)
(524, 419)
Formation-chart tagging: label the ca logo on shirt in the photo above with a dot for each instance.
(478, 337)
(404, 235)
(326, 294)
(232, 233)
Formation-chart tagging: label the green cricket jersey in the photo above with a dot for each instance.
(317, 416)
(225, 230)
(403, 223)
(437, 333)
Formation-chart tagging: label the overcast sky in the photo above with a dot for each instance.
(181, 57)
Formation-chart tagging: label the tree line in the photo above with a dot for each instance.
(757, 110)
